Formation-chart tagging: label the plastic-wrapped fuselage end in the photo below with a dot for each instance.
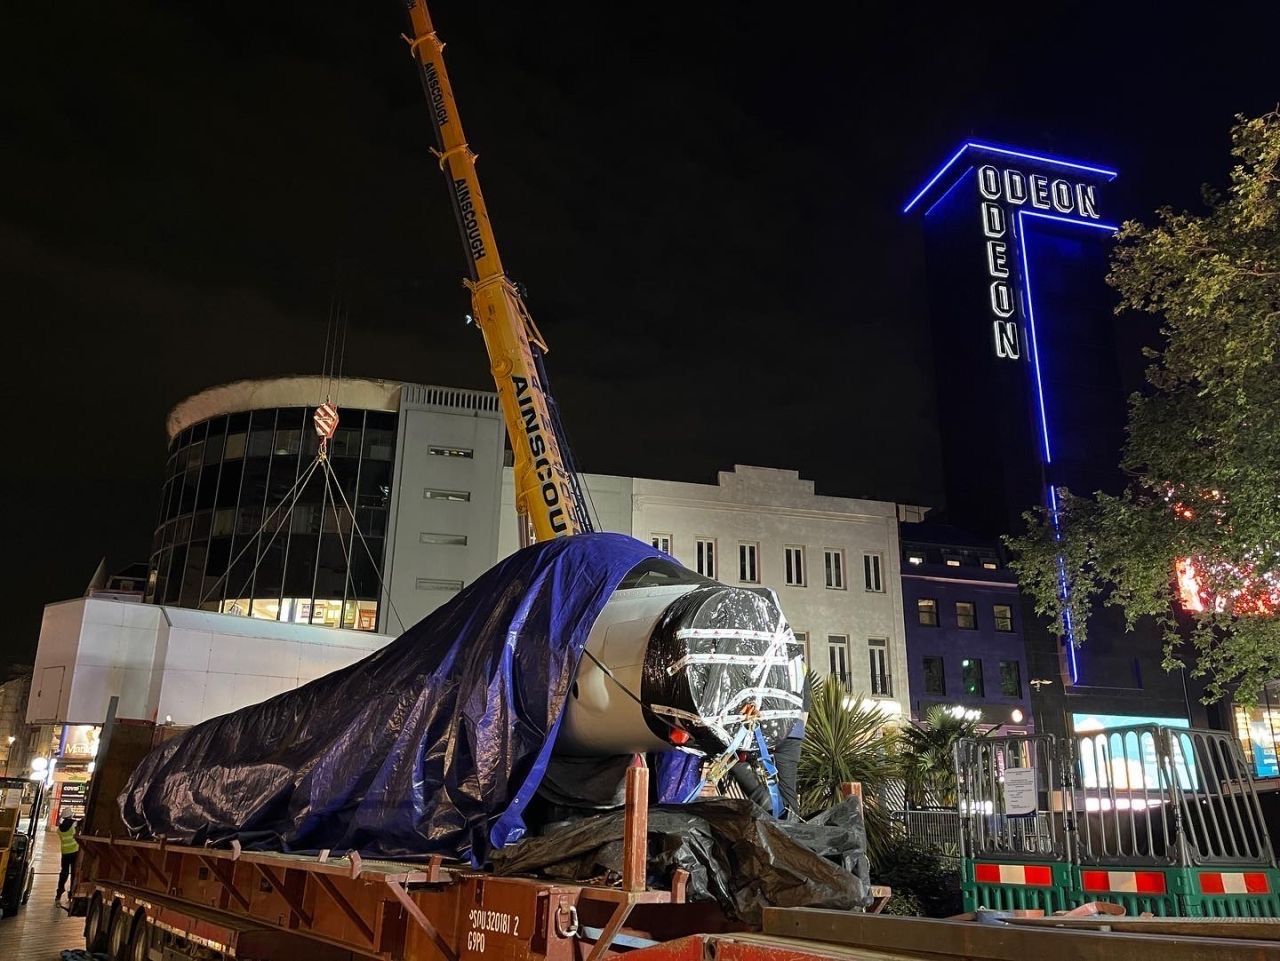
(678, 660)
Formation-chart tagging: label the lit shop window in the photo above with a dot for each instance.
(354, 615)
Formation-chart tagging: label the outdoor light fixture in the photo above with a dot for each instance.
(1016, 716)
(39, 764)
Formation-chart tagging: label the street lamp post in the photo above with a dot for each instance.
(7, 754)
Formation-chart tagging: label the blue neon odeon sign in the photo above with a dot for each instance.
(1017, 190)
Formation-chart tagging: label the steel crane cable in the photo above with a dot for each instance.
(355, 525)
(295, 492)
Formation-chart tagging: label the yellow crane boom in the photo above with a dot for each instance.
(547, 498)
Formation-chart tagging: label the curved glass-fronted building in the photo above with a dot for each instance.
(247, 527)
(237, 458)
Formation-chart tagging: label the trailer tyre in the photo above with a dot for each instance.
(139, 938)
(94, 927)
(118, 932)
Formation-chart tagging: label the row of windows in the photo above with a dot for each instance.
(971, 683)
(795, 566)
(966, 615)
(353, 614)
(269, 441)
(881, 682)
(955, 559)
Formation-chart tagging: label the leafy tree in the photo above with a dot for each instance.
(928, 756)
(845, 741)
(1203, 450)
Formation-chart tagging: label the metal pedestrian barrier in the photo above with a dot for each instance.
(1161, 820)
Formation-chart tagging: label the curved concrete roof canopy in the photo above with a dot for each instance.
(357, 393)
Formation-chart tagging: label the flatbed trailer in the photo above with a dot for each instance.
(281, 910)
(154, 901)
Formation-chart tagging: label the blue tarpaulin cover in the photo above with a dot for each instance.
(434, 744)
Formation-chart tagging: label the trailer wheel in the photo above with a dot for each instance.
(118, 932)
(139, 938)
(94, 939)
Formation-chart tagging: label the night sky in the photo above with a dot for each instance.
(702, 200)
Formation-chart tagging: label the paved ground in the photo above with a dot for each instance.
(41, 930)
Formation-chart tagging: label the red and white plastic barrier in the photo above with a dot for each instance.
(1238, 882)
(1038, 875)
(1125, 882)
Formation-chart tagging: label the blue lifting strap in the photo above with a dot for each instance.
(771, 773)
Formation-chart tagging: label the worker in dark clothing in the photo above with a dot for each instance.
(786, 756)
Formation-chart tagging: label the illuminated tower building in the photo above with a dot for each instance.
(1029, 392)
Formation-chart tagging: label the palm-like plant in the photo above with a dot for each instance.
(846, 741)
(928, 756)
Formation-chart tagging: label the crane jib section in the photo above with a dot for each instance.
(545, 493)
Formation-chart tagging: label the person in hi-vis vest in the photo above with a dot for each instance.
(70, 846)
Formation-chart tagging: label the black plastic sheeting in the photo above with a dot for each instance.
(433, 745)
(713, 649)
(736, 855)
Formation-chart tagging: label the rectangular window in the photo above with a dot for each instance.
(834, 562)
(458, 540)
(437, 584)
(838, 655)
(434, 494)
(451, 452)
(927, 611)
(748, 563)
(966, 616)
(379, 444)
(1010, 679)
(871, 573)
(706, 557)
(1003, 616)
(234, 448)
(971, 676)
(661, 541)
(935, 676)
(795, 566)
(288, 443)
(878, 655)
(803, 638)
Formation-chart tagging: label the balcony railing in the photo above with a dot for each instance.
(881, 684)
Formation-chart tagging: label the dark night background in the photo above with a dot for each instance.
(703, 201)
